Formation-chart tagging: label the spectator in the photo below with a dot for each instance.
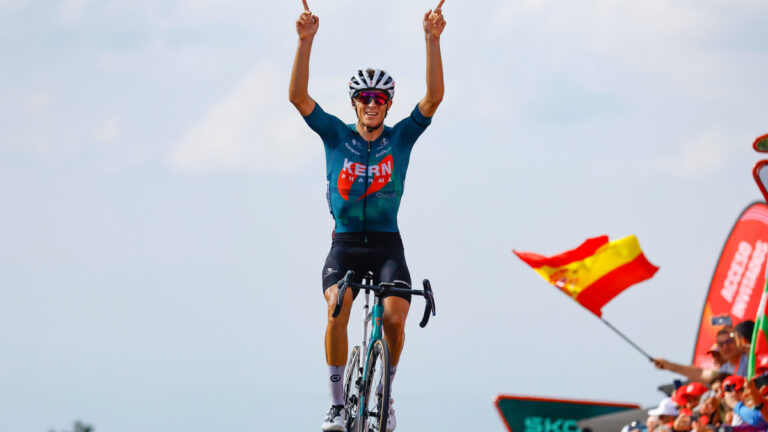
(651, 422)
(663, 414)
(744, 331)
(709, 411)
(731, 403)
(635, 426)
(733, 388)
(683, 422)
(717, 358)
(689, 396)
(711, 406)
(701, 424)
(716, 385)
(735, 360)
(756, 399)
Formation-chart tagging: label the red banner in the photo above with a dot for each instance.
(738, 280)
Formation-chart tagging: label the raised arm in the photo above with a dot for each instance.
(693, 373)
(306, 27)
(434, 23)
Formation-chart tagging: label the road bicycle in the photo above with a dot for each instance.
(369, 371)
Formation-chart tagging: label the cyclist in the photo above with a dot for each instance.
(365, 168)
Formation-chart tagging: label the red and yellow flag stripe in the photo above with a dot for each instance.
(595, 272)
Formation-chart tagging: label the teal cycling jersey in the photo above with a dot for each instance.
(366, 178)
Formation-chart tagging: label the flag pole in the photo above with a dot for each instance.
(759, 322)
(626, 338)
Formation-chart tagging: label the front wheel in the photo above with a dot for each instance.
(352, 382)
(374, 395)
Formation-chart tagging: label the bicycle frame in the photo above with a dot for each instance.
(376, 318)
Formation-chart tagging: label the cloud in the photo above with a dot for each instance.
(12, 5)
(107, 132)
(254, 127)
(36, 103)
(72, 10)
(704, 154)
(643, 42)
(695, 156)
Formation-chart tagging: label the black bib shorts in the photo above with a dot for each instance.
(379, 252)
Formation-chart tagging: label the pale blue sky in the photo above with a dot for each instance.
(163, 205)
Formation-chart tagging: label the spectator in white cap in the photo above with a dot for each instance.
(663, 414)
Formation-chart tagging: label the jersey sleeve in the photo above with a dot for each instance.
(325, 125)
(412, 127)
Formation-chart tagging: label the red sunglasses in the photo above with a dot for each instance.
(366, 97)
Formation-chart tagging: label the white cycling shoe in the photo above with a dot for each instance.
(335, 419)
(391, 421)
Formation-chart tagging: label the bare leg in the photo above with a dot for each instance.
(395, 313)
(336, 344)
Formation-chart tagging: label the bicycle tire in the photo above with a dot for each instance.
(352, 381)
(373, 418)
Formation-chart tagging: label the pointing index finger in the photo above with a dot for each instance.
(306, 6)
(438, 6)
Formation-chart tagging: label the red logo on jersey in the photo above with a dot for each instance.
(378, 176)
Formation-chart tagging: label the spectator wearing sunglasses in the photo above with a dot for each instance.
(366, 165)
(735, 360)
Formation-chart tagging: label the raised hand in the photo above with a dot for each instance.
(752, 394)
(434, 23)
(307, 24)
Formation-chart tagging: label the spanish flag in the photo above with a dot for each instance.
(595, 272)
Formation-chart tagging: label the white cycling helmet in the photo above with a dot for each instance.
(371, 79)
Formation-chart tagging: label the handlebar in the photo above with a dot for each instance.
(429, 306)
(342, 284)
(387, 288)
